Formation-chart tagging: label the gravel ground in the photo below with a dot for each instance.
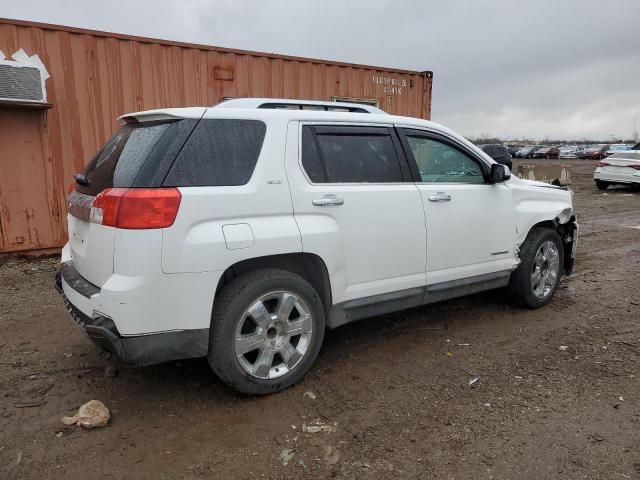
(558, 394)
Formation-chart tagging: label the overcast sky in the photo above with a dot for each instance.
(536, 68)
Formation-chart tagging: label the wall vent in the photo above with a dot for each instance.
(22, 80)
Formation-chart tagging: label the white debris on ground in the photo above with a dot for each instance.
(92, 414)
(318, 426)
(286, 455)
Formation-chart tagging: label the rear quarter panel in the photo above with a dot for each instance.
(196, 241)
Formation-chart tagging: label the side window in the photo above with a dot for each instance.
(350, 155)
(442, 163)
(218, 152)
(311, 157)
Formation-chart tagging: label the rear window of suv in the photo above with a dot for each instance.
(177, 153)
(119, 161)
(218, 153)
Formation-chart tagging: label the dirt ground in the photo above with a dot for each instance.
(391, 394)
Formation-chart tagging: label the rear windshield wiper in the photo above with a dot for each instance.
(81, 180)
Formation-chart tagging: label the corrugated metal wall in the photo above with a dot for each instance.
(96, 77)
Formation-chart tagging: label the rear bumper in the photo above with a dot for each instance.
(602, 174)
(132, 349)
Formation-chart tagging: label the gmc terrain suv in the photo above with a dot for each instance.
(240, 232)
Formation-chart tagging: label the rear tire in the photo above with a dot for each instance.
(266, 331)
(600, 185)
(536, 279)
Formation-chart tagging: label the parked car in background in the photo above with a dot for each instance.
(619, 147)
(513, 149)
(621, 168)
(547, 152)
(241, 232)
(594, 153)
(527, 152)
(570, 151)
(499, 153)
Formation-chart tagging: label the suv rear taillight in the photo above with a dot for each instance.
(136, 208)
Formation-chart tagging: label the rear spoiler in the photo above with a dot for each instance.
(163, 114)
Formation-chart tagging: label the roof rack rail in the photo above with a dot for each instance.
(289, 104)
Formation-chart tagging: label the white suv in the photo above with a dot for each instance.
(240, 232)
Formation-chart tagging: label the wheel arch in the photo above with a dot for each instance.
(307, 265)
(565, 224)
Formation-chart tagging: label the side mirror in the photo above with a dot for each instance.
(499, 173)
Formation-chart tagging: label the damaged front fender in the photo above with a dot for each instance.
(569, 229)
(566, 224)
(542, 205)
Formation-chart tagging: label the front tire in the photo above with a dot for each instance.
(536, 279)
(266, 331)
(600, 185)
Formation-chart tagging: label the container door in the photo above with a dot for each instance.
(27, 212)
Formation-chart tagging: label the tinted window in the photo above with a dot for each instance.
(218, 152)
(495, 151)
(439, 162)
(358, 155)
(311, 157)
(119, 161)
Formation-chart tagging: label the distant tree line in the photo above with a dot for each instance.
(484, 139)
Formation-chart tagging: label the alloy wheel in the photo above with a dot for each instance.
(273, 335)
(546, 268)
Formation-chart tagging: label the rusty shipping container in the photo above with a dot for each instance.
(96, 77)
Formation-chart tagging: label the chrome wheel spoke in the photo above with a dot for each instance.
(263, 363)
(535, 276)
(538, 289)
(260, 315)
(249, 343)
(290, 356)
(545, 250)
(300, 326)
(538, 261)
(285, 305)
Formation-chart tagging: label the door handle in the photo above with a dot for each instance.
(327, 200)
(440, 197)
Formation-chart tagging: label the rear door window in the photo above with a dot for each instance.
(311, 161)
(219, 152)
(350, 154)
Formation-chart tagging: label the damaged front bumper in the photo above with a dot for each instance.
(136, 350)
(567, 226)
(570, 259)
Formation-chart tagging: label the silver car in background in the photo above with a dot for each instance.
(570, 151)
(622, 168)
(618, 147)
